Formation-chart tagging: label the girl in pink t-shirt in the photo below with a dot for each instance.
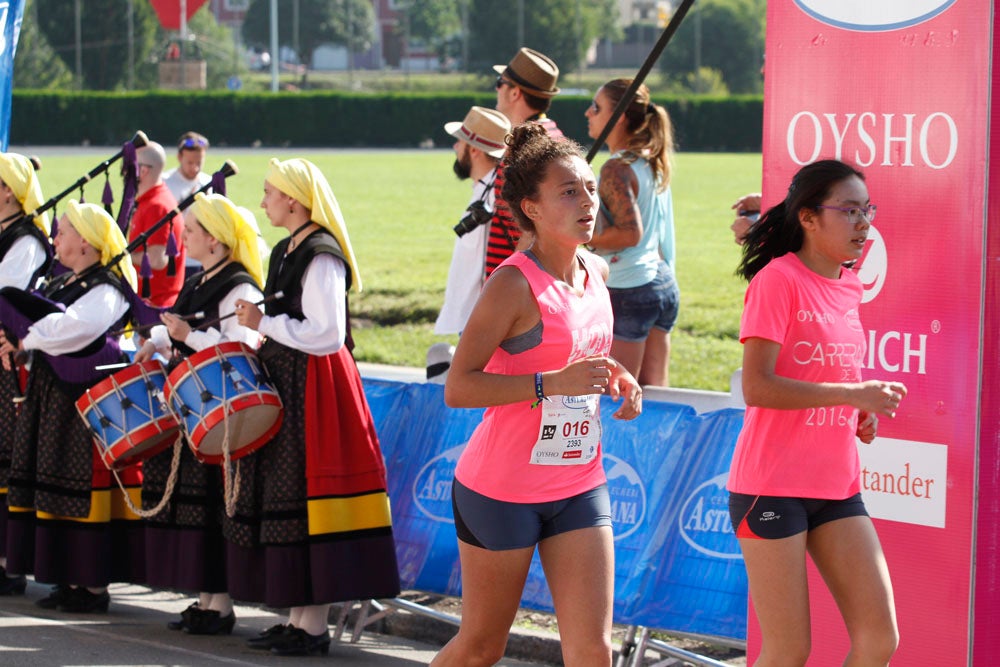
(793, 482)
(535, 353)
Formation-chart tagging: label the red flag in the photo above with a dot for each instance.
(169, 11)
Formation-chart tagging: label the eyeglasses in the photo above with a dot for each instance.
(501, 82)
(191, 142)
(855, 213)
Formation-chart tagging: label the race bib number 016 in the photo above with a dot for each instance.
(570, 431)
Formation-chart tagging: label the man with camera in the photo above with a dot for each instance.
(478, 149)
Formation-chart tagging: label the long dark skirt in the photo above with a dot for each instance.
(272, 557)
(8, 411)
(184, 544)
(68, 523)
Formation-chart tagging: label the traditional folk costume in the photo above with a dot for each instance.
(25, 254)
(69, 524)
(312, 524)
(184, 544)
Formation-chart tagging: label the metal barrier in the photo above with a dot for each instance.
(667, 550)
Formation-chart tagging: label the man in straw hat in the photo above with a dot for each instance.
(525, 88)
(478, 148)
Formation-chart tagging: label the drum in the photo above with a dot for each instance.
(220, 393)
(128, 415)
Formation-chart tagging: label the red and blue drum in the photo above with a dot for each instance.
(128, 415)
(220, 396)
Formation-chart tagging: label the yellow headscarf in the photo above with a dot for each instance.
(304, 182)
(19, 175)
(234, 226)
(100, 230)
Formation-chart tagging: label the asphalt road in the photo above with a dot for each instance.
(134, 633)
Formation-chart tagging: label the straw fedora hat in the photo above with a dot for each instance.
(482, 128)
(532, 72)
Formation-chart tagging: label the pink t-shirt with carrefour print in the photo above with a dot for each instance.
(810, 453)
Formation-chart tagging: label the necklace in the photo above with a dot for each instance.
(293, 243)
(12, 216)
(206, 274)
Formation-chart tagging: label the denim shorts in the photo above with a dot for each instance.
(638, 309)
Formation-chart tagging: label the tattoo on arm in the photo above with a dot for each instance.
(617, 190)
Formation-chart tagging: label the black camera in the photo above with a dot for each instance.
(475, 216)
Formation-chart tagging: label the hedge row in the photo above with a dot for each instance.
(333, 119)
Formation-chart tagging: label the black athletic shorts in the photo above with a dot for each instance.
(777, 517)
(497, 525)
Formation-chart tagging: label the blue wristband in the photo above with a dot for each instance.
(539, 394)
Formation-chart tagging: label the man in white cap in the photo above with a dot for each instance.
(478, 148)
(525, 88)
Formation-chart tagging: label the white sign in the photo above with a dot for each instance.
(905, 481)
(879, 15)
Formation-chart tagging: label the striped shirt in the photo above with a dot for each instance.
(504, 231)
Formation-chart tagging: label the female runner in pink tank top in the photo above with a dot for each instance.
(535, 354)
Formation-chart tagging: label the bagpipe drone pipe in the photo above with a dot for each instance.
(19, 309)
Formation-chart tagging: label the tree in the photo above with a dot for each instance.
(731, 42)
(35, 64)
(435, 22)
(561, 29)
(349, 23)
(104, 53)
(215, 44)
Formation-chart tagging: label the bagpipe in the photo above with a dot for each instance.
(19, 309)
(130, 174)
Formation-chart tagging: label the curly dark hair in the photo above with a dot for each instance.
(530, 151)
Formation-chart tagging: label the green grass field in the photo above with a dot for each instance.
(400, 207)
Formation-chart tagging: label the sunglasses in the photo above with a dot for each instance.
(194, 143)
(501, 82)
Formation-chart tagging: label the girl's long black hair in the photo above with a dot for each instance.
(778, 231)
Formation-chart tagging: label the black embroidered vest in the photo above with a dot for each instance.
(205, 297)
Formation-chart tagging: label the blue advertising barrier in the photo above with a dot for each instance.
(11, 12)
(677, 564)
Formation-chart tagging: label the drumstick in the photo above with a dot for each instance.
(143, 330)
(277, 295)
(108, 367)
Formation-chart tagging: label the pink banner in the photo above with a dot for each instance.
(901, 88)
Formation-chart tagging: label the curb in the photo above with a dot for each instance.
(522, 643)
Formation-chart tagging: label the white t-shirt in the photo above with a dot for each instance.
(466, 272)
(181, 187)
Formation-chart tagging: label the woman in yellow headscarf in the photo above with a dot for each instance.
(61, 503)
(25, 254)
(312, 524)
(223, 238)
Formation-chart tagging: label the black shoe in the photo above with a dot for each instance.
(82, 601)
(209, 622)
(12, 585)
(266, 639)
(56, 597)
(297, 641)
(186, 615)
